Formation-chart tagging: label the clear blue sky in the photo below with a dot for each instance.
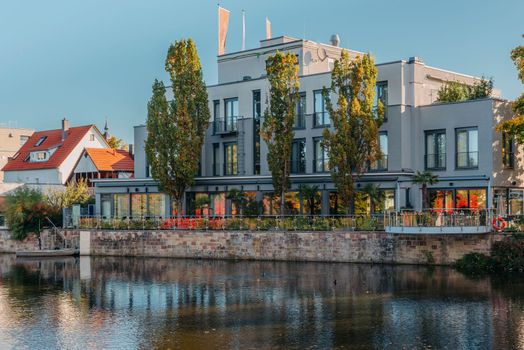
(90, 59)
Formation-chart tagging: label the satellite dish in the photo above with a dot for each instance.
(321, 52)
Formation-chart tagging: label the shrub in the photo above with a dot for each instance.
(508, 255)
(474, 264)
(27, 212)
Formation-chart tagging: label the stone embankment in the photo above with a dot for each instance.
(367, 247)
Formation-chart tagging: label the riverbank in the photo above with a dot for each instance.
(328, 246)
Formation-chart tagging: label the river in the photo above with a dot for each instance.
(133, 303)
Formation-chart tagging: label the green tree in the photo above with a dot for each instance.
(454, 91)
(277, 128)
(425, 179)
(176, 130)
(353, 142)
(74, 193)
(116, 143)
(514, 127)
(27, 212)
(375, 194)
(311, 195)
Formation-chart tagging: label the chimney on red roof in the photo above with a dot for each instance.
(65, 128)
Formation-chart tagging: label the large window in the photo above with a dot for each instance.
(516, 202)
(257, 112)
(321, 157)
(467, 156)
(435, 157)
(231, 114)
(216, 159)
(508, 151)
(321, 115)
(381, 164)
(461, 198)
(382, 96)
(230, 159)
(300, 112)
(138, 205)
(298, 156)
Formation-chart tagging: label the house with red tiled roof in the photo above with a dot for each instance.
(49, 157)
(104, 163)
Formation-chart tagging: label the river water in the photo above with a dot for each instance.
(126, 303)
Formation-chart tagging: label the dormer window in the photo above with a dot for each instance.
(91, 137)
(40, 141)
(40, 156)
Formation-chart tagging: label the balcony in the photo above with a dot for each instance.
(435, 161)
(321, 119)
(467, 160)
(380, 164)
(298, 166)
(228, 125)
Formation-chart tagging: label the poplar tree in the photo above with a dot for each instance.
(277, 128)
(514, 127)
(352, 144)
(176, 129)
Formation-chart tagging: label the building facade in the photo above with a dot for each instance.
(11, 139)
(477, 167)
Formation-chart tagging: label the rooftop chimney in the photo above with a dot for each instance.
(335, 40)
(65, 128)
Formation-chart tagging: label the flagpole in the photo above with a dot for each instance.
(243, 30)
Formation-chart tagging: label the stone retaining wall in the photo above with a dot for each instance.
(8, 245)
(374, 247)
(49, 241)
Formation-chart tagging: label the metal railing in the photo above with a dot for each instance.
(251, 223)
(467, 160)
(445, 217)
(380, 164)
(435, 161)
(226, 125)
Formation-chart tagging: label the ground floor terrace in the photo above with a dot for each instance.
(222, 196)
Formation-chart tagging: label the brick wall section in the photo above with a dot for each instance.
(376, 247)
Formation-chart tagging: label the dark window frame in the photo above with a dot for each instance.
(315, 156)
(468, 167)
(256, 130)
(435, 132)
(226, 145)
(302, 169)
(324, 111)
(216, 162)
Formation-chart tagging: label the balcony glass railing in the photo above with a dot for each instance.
(380, 164)
(226, 125)
(466, 160)
(435, 161)
(298, 166)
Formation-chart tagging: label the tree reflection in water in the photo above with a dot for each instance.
(166, 303)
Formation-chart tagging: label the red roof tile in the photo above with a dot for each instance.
(106, 159)
(53, 139)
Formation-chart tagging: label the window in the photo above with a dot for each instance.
(216, 159)
(435, 157)
(300, 112)
(321, 116)
(230, 159)
(216, 116)
(381, 163)
(257, 112)
(138, 205)
(382, 96)
(516, 202)
(91, 137)
(231, 114)
(121, 205)
(40, 141)
(321, 157)
(461, 198)
(23, 140)
(298, 156)
(467, 148)
(40, 156)
(508, 151)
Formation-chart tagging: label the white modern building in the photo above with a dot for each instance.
(477, 167)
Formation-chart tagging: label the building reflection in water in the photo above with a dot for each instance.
(163, 303)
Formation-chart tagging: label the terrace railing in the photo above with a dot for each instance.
(251, 223)
(444, 220)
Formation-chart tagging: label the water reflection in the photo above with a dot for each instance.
(127, 303)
